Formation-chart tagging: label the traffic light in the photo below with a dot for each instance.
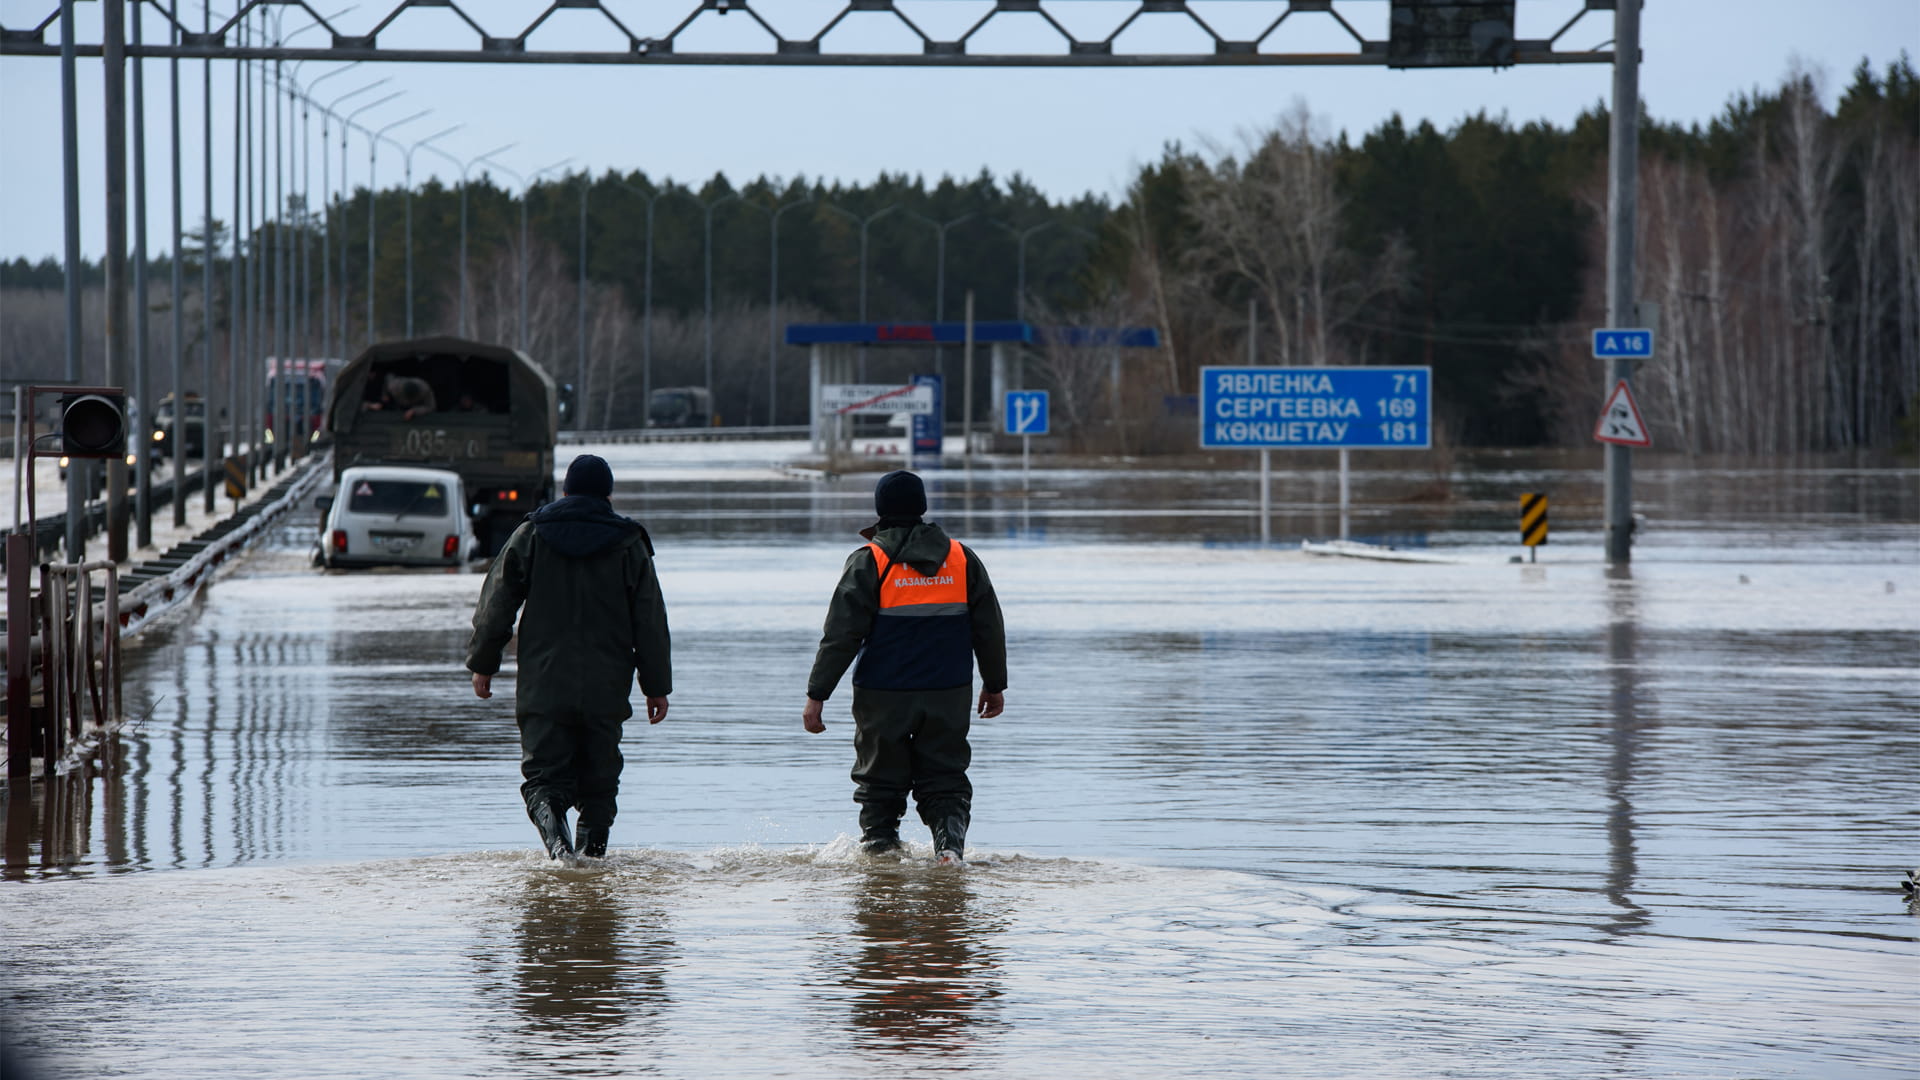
(93, 425)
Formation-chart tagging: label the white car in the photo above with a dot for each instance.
(395, 515)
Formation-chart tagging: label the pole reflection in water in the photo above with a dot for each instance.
(1624, 736)
(587, 960)
(923, 972)
(49, 823)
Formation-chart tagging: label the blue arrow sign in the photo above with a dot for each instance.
(1632, 344)
(1312, 408)
(1026, 412)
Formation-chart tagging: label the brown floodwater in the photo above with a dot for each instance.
(1249, 812)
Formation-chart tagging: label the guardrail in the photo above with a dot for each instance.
(185, 568)
(669, 435)
(76, 657)
(50, 532)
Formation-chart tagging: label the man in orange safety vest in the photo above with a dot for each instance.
(917, 610)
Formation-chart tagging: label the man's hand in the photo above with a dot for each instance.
(482, 685)
(991, 704)
(810, 717)
(656, 709)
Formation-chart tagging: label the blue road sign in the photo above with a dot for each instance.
(1631, 344)
(929, 428)
(1316, 408)
(1026, 412)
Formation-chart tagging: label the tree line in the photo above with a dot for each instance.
(1778, 243)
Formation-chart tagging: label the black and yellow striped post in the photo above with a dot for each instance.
(1533, 523)
(237, 477)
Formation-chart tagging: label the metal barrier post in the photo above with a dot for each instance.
(110, 643)
(19, 645)
(52, 689)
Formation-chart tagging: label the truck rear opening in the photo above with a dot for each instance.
(487, 412)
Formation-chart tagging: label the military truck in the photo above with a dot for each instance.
(487, 412)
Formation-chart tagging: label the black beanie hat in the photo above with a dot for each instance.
(900, 494)
(588, 475)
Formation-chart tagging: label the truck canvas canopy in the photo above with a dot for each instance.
(465, 376)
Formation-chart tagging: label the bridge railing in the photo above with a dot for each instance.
(692, 434)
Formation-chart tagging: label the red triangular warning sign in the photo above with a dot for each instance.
(1620, 421)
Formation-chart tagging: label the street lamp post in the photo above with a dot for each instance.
(280, 408)
(1020, 278)
(373, 197)
(646, 310)
(709, 207)
(211, 442)
(940, 297)
(526, 191)
(580, 309)
(863, 222)
(327, 115)
(347, 125)
(463, 166)
(307, 345)
(774, 214)
(406, 154)
(334, 208)
(940, 259)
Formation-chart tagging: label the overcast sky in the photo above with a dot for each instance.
(1068, 131)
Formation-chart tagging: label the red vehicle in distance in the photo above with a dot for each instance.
(304, 385)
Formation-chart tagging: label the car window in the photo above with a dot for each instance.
(410, 498)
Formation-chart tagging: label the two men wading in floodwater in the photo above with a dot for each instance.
(912, 612)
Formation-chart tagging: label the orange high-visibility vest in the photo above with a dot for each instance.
(905, 587)
(922, 636)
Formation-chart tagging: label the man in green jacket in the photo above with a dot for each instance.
(593, 618)
(917, 608)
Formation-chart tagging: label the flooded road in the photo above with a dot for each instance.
(1249, 812)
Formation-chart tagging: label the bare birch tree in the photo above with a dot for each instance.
(1272, 218)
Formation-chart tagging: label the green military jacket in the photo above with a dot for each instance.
(593, 612)
(856, 599)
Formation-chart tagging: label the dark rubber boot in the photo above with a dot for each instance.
(593, 840)
(949, 837)
(880, 842)
(552, 824)
(880, 827)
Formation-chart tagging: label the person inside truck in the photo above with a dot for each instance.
(408, 396)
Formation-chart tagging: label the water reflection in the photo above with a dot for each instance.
(924, 971)
(588, 959)
(1624, 738)
(49, 823)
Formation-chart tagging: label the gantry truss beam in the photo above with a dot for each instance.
(626, 46)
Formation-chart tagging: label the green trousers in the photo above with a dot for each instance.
(571, 759)
(911, 742)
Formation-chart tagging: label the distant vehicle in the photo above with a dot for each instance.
(680, 407)
(392, 515)
(194, 425)
(486, 412)
(304, 385)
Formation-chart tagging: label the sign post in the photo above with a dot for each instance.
(1316, 408)
(1027, 414)
(1621, 346)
